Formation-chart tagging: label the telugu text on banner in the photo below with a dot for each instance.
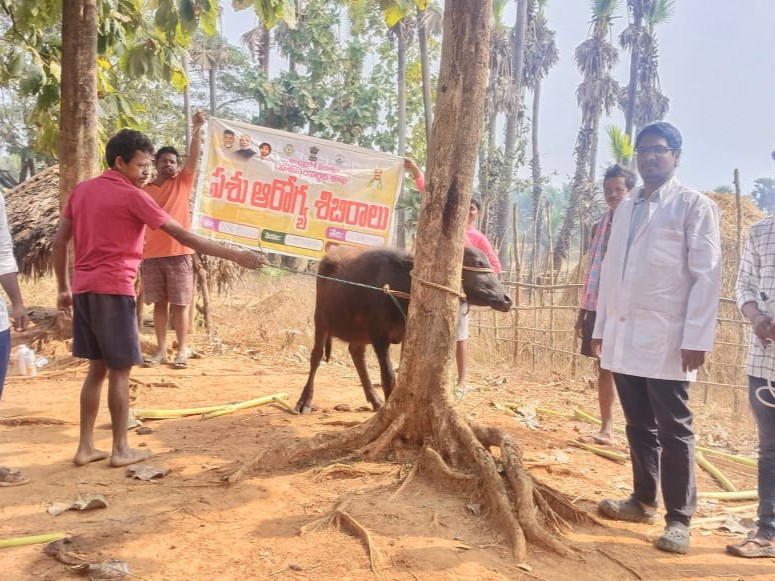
(293, 194)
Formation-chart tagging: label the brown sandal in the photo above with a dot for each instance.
(752, 547)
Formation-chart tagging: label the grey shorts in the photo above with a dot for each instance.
(105, 327)
(169, 279)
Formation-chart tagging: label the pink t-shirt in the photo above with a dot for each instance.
(109, 216)
(478, 240)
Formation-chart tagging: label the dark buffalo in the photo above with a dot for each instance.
(362, 316)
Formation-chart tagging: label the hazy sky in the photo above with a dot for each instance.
(713, 67)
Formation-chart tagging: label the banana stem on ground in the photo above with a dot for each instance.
(719, 476)
(246, 404)
(610, 454)
(739, 495)
(590, 419)
(546, 412)
(168, 414)
(742, 460)
(33, 540)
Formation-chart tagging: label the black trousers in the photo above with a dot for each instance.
(659, 432)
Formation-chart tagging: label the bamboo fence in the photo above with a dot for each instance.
(538, 334)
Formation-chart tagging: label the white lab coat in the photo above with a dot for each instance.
(667, 298)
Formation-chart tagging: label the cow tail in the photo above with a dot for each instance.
(328, 348)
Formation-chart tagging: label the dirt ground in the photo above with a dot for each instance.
(189, 525)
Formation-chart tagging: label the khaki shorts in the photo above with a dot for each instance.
(169, 279)
(462, 322)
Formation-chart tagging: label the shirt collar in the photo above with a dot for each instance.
(657, 195)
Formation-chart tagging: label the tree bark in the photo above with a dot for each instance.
(512, 126)
(78, 158)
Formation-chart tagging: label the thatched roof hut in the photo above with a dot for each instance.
(33, 216)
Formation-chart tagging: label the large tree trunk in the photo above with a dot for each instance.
(78, 158)
(401, 129)
(419, 413)
(512, 126)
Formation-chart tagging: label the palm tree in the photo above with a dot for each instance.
(512, 126)
(597, 94)
(541, 55)
(621, 146)
(643, 101)
(499, 98)
(210, 54)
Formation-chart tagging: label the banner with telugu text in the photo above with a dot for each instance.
(293, 194)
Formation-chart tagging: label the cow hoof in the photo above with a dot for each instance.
(302, 409)
(305, 410)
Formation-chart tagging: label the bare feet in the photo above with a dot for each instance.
(601, 439)
(129, 456)
(83, 457)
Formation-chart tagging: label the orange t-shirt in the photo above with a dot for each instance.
(172, 196)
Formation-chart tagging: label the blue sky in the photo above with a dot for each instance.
(715, 66)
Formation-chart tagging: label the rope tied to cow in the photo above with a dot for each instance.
(438, 286)
(389, 291)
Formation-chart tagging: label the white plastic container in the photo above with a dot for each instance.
(20, 362)
(29, 363)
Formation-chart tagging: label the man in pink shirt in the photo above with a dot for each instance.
(475, 239)
(106, 219)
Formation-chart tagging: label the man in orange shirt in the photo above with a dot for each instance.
(167, 271)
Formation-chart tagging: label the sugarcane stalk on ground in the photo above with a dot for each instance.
(610, 454)
(738, 495)
(168, 414)
(246, 404)
(32, 540)
(742, 460)
(719, 476)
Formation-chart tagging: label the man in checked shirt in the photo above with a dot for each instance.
(755, 294)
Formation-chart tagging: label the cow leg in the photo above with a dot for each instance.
(304, 405)
(387, 375)
(358, 354)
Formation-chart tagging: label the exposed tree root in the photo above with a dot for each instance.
(456, 454)
(341, 519)
(314, 447)
(384, 440)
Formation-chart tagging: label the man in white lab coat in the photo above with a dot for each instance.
(656, 320)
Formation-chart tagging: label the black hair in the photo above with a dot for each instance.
(125, 144)
(268, 145)
(167, 149)
(617, 171)
(665, 130)
(228, 132)
(475, 202)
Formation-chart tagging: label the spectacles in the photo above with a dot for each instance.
(655, 149)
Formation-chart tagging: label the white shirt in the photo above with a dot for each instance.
(665, 297)
(7, 261)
